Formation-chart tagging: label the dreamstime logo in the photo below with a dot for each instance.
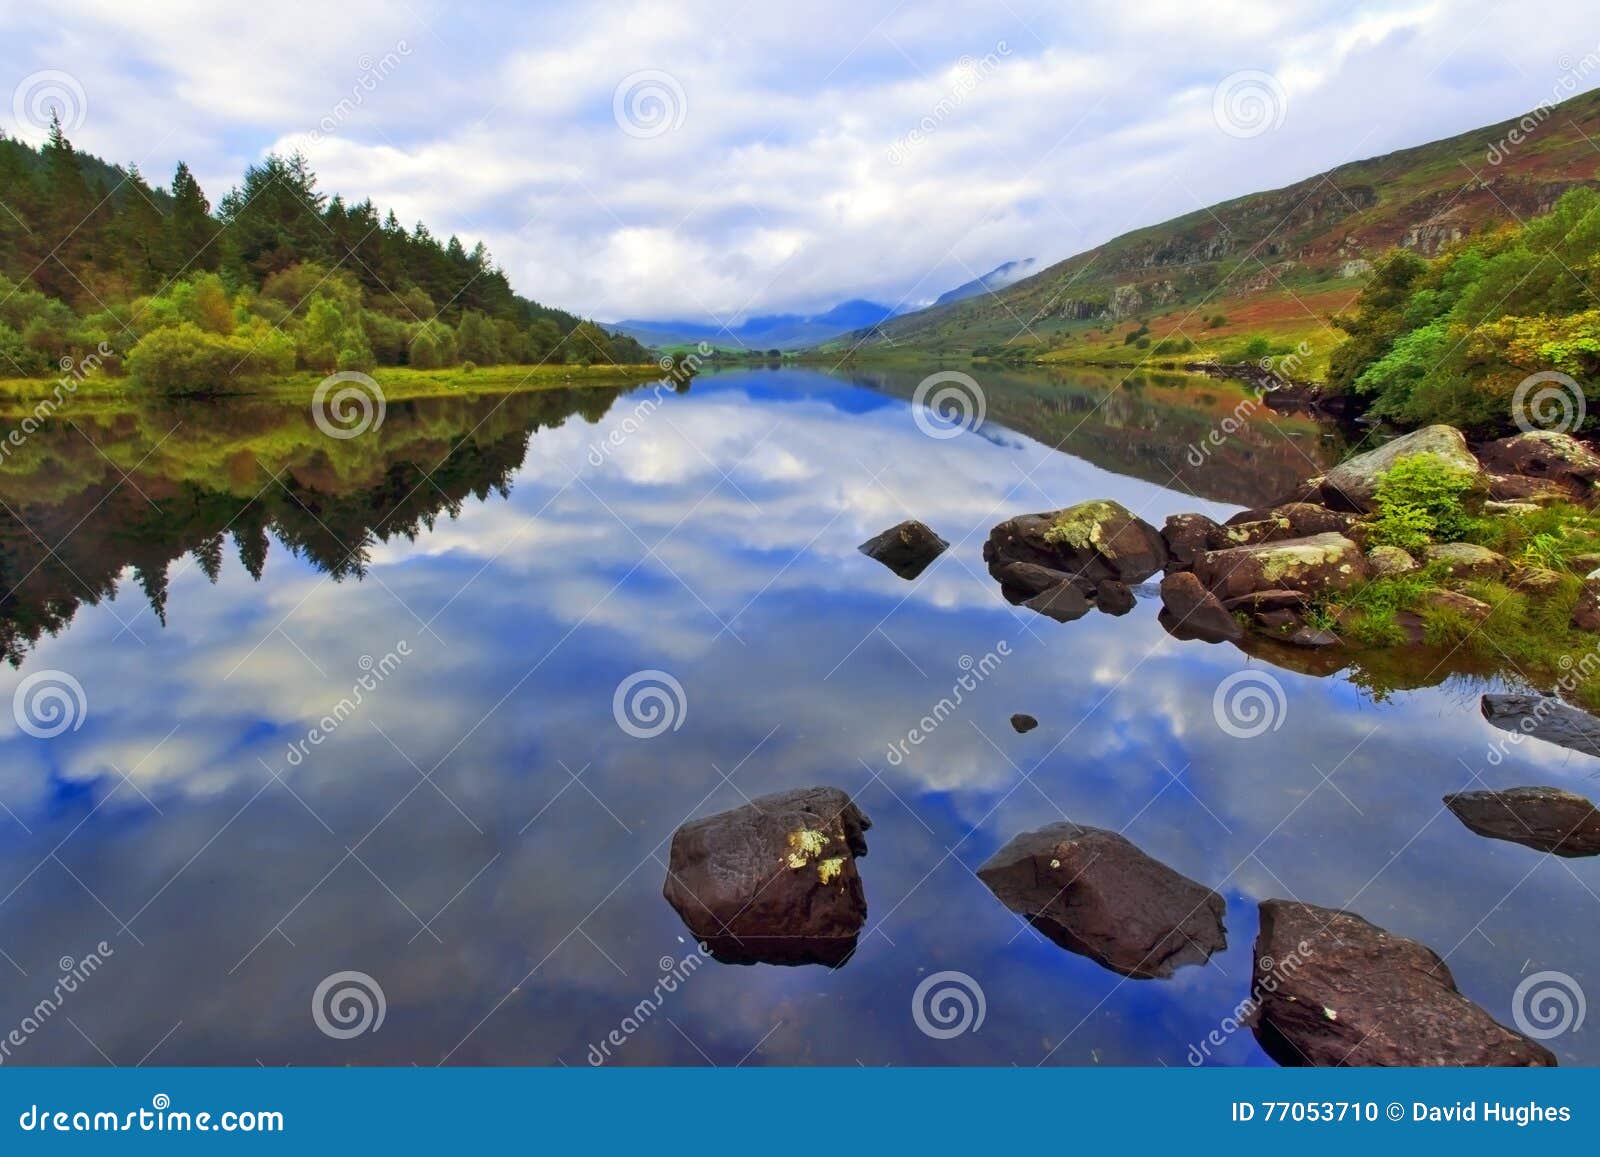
(1548, 1004)
(41, 95)
(347, 1004)
(647, 703)
(1549, 401)
(948, 1004)
(1249, 703)
(47, 703)
(952, 397)
(1249, 103)
(354, 408)
(649, 103)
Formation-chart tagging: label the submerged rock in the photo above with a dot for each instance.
(774, 881)
(1089, 543)
(1063, 602)
(906, 549)
(1353, 484)
(1546, 819)
(1544, 717)
(1192, 612)
(1022, 724)
(1094, 893)
(1113, 597)
(1321, 563)
(1020, 581)
(1334, 989)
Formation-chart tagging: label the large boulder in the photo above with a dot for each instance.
(1334, 989)
(1546, 819)
(1545, 456)
(1192, 612)
(1089, 543)
(1094, 893)
(774, 881)
(1353, 484)
(1314, 565)
(906, 549)
(1385, 561)
(1544, 717)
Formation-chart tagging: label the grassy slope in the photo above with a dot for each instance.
(1277, 263)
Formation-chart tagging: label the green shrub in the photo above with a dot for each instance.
(1419, 501)
(185, 359)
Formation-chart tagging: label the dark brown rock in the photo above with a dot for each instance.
(906, 549)
(1277, 523)
(1586, 611)
(1546, 819)
(1315, 565)
(1544, 717)
(1022, 724)
(1113, 597)
(1192, 612)
(1464, 560)
(1187, 537)
(1089, 542)
(1544, 456)
(1020, 581)
(774, 881)
(1270, 601)
(1064, 603)
(1094, 893)
(1334, 989)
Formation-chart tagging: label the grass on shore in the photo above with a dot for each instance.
(398, 383)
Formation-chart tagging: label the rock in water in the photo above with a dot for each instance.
(1321, 563)
(1192, 612)
(1334, 989)
(1063, 602)
(1353, 484)
(1545, 819)
(1095, 893)
(1113, 597)
(774, 881)
(1089, 542)
(906, 549)
(1022, 724)
(1544, 717)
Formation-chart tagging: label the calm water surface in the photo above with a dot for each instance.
(482, 838)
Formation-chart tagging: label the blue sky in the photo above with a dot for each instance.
(717, 159)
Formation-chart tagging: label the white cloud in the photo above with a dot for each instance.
(778, 191)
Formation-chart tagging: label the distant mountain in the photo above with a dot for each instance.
(770, 331)
(996, 279)
(1270, 261)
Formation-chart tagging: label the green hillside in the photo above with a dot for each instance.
(1273, 265)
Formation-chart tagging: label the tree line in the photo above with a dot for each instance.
(278, 276)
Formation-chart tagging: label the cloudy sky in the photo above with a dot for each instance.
(680, 158)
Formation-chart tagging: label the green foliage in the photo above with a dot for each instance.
(1450, 340)
(185, 359)
(92, 254)
(1421, 500)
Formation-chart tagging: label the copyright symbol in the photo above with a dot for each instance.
(1396, 1110)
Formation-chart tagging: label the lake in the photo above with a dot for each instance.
(484, 835)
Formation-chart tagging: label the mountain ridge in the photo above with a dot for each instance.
(1278, 260)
